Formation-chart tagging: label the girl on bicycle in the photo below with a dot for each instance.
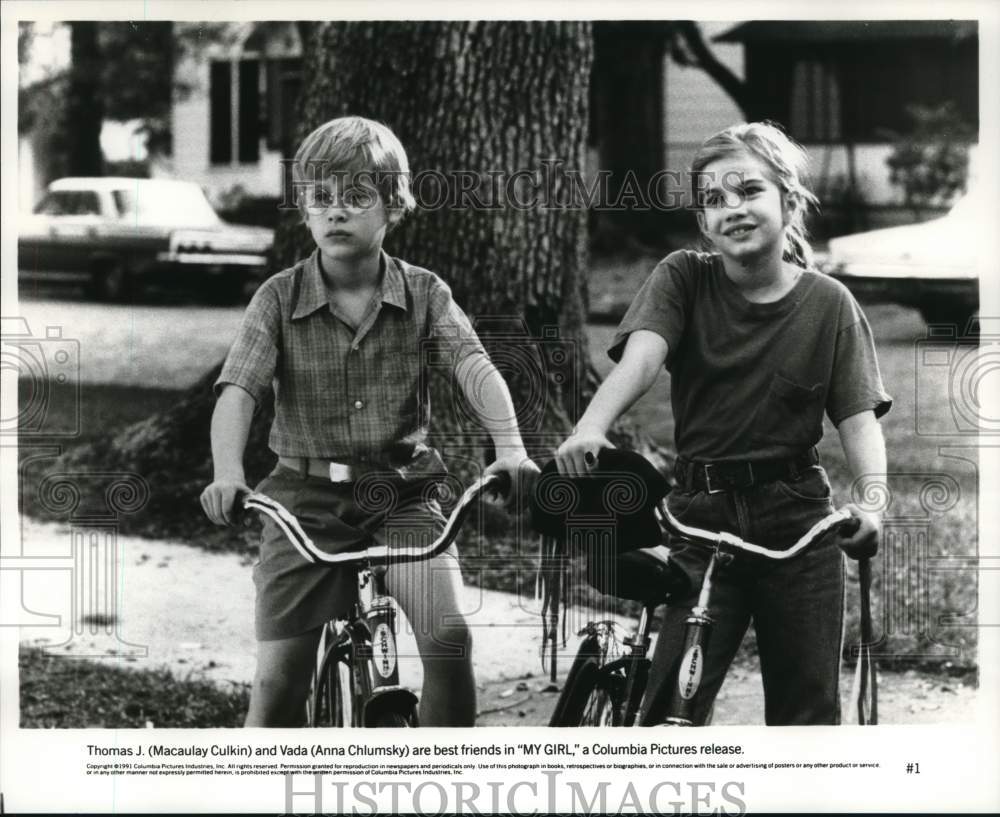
(759, 346)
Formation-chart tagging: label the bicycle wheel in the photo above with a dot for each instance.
(330, 698)
(590, 698)
(394, 720)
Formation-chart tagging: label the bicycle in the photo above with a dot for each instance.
(355, 681)
(606, 685)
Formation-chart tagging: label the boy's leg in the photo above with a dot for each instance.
(428, 593)
(798, 615)
(281, 682)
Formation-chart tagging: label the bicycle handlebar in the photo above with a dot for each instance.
(841, 519)
(289, 525)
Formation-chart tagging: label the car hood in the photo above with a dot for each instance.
(943, 247)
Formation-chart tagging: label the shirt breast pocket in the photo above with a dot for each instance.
(791, 414)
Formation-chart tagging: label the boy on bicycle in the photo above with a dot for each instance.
(339, 334)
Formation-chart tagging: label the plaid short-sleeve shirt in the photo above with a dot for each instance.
(351, 395)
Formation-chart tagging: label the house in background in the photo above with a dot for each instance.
(232, 127)
(840, 87)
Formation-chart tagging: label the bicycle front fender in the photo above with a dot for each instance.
(398, 700)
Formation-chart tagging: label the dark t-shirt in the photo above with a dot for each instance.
(751, 381)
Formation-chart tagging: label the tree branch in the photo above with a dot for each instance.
(736, 88)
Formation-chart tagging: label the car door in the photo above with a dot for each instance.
(54, 241)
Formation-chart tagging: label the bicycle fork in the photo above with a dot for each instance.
(380, 656)
(690, 670)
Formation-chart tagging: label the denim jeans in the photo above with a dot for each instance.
(796, 605)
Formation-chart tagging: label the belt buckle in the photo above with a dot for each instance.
(707, 471)
(339, 472)
(729, 483)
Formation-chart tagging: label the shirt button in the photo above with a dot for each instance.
(358, 404)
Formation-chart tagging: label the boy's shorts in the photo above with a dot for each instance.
(294, 595)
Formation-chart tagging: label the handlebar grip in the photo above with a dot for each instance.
(500, 483)
(849, 527)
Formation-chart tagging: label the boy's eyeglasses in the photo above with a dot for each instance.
(319, 200)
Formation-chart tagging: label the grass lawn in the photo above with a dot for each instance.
(71, 693)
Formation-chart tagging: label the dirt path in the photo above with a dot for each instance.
(191, 611)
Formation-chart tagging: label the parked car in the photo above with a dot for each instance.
(932, 266)
(117, 235)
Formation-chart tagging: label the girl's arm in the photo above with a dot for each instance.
(864, 447)
(644, 354)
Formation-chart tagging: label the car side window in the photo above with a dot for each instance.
(57, 203)
(124, 202)
(87, 204)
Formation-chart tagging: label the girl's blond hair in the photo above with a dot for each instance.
(787, 161)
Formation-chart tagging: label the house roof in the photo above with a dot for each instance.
(833, 31)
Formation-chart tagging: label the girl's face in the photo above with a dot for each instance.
(744, 212)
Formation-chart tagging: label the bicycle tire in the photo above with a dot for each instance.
(588, 699)
(394, 720)
(330, 696)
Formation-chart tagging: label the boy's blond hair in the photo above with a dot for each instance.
(355, 145)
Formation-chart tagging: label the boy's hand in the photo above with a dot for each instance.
(577, 456)
(219, 499)
(522, 472)
(863, 543)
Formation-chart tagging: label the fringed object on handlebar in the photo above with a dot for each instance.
(552, 583)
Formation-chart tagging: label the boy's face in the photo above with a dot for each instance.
(346, 216)
(745, 212)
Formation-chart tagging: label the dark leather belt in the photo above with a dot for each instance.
(716, 477)
(318, 467)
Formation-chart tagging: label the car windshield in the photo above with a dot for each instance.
(172, 204)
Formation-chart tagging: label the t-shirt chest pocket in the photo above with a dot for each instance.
(790, 414)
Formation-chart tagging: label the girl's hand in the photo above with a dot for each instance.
(577, 456)
(522, 472)
(863, 543)
(219, 499)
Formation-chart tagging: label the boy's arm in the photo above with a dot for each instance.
(488, 396)
(230, 429)
(864, 447)
(645, 352)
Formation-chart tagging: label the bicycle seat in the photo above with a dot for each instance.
(648, 575)
(619, 496)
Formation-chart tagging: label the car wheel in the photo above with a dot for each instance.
(110, 281)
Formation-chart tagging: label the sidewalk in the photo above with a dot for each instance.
(192, 611)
